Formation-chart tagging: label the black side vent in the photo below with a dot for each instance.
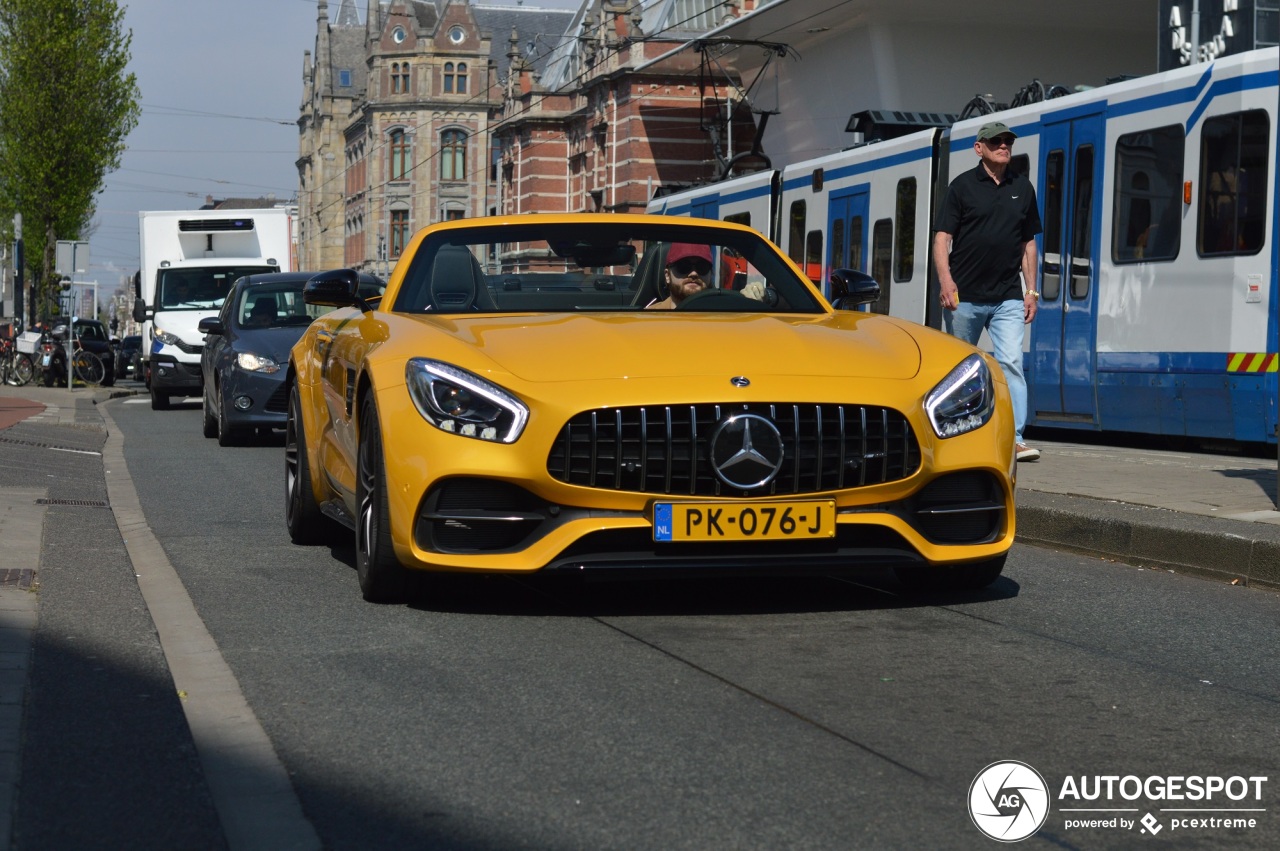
(214, 225)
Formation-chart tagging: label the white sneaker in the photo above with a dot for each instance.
(1026, 453)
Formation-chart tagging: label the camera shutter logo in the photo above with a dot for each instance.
(1008, 801)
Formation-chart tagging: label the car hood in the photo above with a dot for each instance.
(273, 343)
(576, 347)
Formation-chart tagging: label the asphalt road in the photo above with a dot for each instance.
(811, 714)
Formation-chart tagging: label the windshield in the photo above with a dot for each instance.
(271, 306)
(201, 288)
(609, 266)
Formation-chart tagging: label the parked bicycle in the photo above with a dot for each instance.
(16, 368)
(85, 365)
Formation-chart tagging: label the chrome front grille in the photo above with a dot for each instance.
(665, 449)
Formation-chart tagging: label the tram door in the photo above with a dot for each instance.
(847, 229)
(1062, 364)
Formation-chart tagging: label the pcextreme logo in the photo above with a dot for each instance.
(1010, 800)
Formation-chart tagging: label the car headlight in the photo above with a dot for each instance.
(456, 401)
(256, 363)
(962, 401)
(164, 336)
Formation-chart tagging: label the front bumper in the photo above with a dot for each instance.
(176, 378)
(464, 505)
(264, 400)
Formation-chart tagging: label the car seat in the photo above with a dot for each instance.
(457, 282)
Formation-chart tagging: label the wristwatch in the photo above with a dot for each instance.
(1034, 294)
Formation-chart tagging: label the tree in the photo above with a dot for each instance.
(67, 103)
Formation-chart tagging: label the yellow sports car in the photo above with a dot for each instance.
(612, 393)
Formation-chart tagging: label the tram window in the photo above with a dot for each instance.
(1082, 222)
(881, 261)
(855, 243)
(739, 219)
(795, 233)
(813, 256)
(1051, 284)
(1233, 183)
(1148, 195)
(838, 253)
(905, 248)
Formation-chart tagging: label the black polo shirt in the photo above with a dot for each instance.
(988, 224)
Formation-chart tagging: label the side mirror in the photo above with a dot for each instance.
(139, 310)
(335, 288)
(211, 325)
(851, 288)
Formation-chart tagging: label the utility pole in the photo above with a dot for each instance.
(18, 281)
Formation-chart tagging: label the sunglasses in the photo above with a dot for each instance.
(997, 141)
(687, 265)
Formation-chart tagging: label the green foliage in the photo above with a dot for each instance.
(67, 104)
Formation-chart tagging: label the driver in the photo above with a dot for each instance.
(688, 267)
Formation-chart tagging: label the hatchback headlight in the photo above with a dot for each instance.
(459, 402)
(256, 363)
(962, 401)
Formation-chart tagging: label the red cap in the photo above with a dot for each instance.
(681, 250)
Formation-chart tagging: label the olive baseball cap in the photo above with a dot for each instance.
(992, 129)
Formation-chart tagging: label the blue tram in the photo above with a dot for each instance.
(1158, 262)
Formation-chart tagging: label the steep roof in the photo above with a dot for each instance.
(539, 31)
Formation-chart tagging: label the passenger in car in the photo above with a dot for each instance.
(263, 313)
(687, 270)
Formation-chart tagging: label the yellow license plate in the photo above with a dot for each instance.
(752, 521)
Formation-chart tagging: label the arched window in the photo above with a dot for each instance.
(399, 155)
(453, 155)
(404, 78)
(462, 78)
(395, 78)
(448, 77)
(399, 231)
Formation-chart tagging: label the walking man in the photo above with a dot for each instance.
(984, 249)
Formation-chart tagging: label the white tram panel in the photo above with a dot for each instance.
(747, 200)
(870, 208)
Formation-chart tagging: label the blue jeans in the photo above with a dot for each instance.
(1005, 324)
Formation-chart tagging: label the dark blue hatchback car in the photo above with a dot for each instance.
(246, 348)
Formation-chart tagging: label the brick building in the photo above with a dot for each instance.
(429, 111)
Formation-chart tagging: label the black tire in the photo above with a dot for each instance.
(88, 367)
(49, 376)
(210, 426)
(963, 577)
(227, 435)
(382, 578)
(159, 400)
(302, 515)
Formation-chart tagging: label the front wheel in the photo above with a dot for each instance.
(159, 400)
(963, 577)
(227, 434)
(382, 578)
(210, 426)
(302, 515)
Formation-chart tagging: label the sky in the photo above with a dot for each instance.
(221, 84)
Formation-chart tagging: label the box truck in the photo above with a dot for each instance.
(188, 261)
